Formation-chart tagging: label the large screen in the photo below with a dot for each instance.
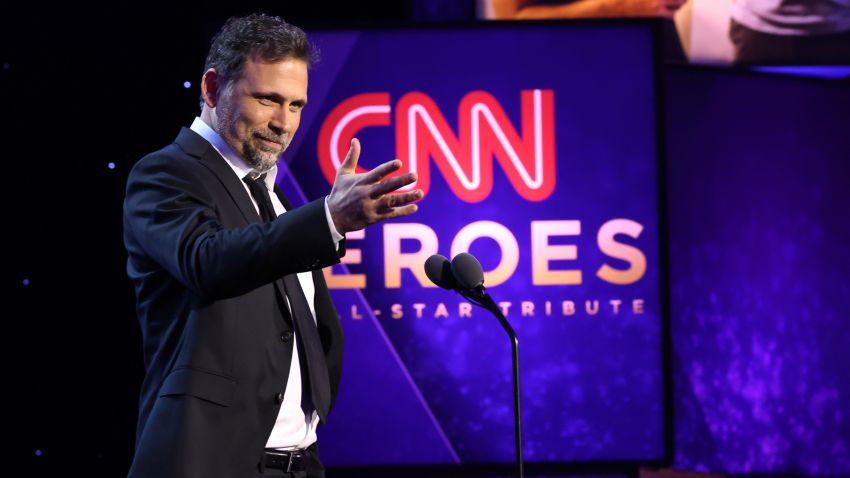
(536, 146)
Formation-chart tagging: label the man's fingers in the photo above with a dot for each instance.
(393, 201)
(399, 212)
(390, 185)
(379, 172)
(349, 164)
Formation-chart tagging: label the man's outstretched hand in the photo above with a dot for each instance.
(358, 200)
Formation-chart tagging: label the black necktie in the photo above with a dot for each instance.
(317, 371)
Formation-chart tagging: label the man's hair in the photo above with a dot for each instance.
(268, 38)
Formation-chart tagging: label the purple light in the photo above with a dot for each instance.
(111, 165)
(187, 84)
(26, 282)
(5, 66)
(38, 453)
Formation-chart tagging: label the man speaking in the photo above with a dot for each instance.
(242, 344)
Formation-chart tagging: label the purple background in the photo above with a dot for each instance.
(438, 390)
(759, 188)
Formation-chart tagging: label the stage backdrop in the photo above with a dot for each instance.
(537, 151)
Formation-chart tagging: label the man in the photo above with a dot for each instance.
(242, 344)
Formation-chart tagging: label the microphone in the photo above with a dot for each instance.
(468, 272)
(439, 270)
(465, 276)
(462, 274)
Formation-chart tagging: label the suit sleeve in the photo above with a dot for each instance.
(171, 216)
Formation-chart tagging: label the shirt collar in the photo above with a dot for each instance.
(231, 157)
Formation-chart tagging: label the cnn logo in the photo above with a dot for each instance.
(464, 159)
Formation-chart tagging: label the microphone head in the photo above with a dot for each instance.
(439, 270)
(467, 271)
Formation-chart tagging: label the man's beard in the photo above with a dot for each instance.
(259, 156)
(255, 154)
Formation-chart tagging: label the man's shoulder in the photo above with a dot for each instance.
(169, 172)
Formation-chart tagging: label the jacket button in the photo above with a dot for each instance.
(286, 336)
(278, 398)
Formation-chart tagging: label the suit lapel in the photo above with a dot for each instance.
(192, 143)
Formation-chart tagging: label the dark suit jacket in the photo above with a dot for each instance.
(204, 265)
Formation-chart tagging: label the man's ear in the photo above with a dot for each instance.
(210, 87)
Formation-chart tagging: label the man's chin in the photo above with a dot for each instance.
(275, 151)
(261, 159)
(266, 164)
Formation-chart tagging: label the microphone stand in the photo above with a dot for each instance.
(478, 297)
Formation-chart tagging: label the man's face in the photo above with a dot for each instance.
(259, 112)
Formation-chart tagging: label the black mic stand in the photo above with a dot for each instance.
(478, 297)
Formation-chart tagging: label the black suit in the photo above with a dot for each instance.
(217, 355)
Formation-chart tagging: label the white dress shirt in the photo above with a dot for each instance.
(293, 429)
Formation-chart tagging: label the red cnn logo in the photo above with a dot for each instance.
(465, 160)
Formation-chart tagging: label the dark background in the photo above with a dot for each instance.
(759, 189)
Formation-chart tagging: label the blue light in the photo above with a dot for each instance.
(5, 66)
(111, 165)
(187, 84)
(26, 282)
(38, 453)
(828, 72)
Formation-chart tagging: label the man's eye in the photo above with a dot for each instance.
(266, 102)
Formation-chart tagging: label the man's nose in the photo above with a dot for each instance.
(282, 121)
